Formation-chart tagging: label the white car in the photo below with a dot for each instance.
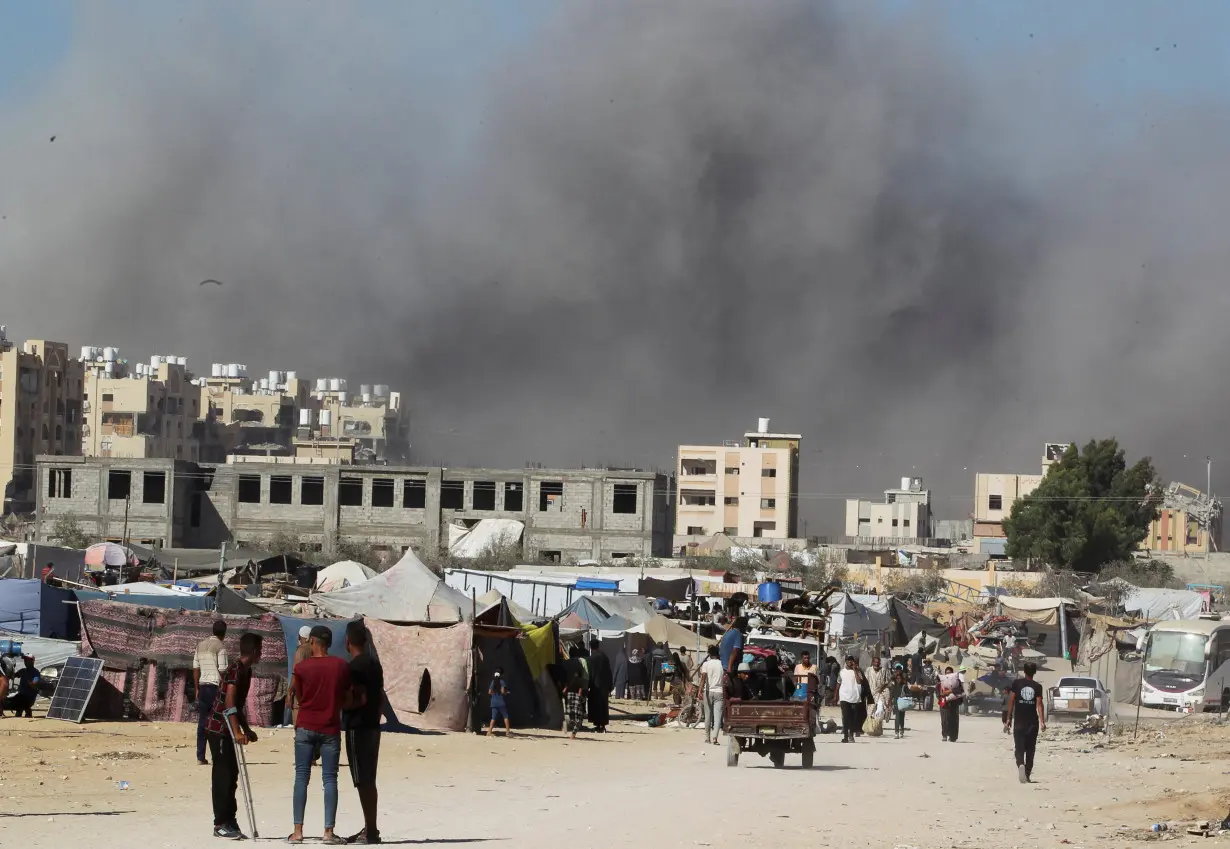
(1078, 696)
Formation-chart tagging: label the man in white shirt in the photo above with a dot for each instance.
(208, 663)
(713, 689)
(850, 694)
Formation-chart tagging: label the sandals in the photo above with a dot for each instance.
(333, 840)
(363, 840)
(290, 838)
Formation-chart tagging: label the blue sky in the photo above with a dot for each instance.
(1123, 48)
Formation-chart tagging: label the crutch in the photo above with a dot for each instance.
(244, 786)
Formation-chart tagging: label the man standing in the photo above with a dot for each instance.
(208, 663)
(1026, 711)
(49, 572)
(807, 677)
(601, 681)
(877, 681)
(304, 650)
(850, 694)
(730, 650)
(950, 695)
(321, 684)
(228, 724)
(362, 725)
(713, 694)
(27, 679)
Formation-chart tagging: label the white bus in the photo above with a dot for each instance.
(1180, 659)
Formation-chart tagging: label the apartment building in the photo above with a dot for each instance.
(568, 514)
(1188, 522)
(994, 495)
(40, 413)
(140, 410)
(748, 489)
(903, 517)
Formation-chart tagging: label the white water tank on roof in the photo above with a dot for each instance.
(365, 389)
(326, 418)
(305, 418)
(110, 354)
(109, 369)
(381, 390)
(215, 370)
(341, 397)
(762, 426)
(232, 369)
(87, 353)
(322, 384)
(183, 361)
(335, 385)
(274, 378)
(264, 383)
(367, 397)
(292, 375)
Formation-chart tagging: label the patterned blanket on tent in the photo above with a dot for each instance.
(128, 636)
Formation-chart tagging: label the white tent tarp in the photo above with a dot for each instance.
(1153, 604)
(663, 630)
(493, 597)
(848, 618)
(1042, 611)
(488, 534)
(407, 592)
(344, 573)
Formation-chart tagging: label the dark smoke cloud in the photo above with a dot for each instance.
(646, 224)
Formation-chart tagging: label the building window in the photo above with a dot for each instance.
(995, 502)
(514, 497)
(60, 483)
(768, 503)
(414, 494)
(894, 523)
(906, 522)
(484, 495)
(350, 492)
(731, 532)
(624, 500)
(281, 489)
(550, 496)
(312, 491)
(768, 473)
(730, 500)
(194, 509)
(249, 489)
(697, 498)
(119, 485)
(382, 492)
(452, 495)
(550, 556)
(759, 528)
(154, 488)
(732, 470)
(107, 398)
(695, 530)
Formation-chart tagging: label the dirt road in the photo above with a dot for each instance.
(638, 787)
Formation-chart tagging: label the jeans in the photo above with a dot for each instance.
(224, 777)
(899, 721)
(849, 720)
(950, 721)
(1026, 740)
(206, 695)
(714, 706)
(307, 745)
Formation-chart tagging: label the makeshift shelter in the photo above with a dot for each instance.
(109, 555)
(849, 618)
(33, 608)
(407, 592)
(495, 609)
(290, 635)
(344, 573)
(487, 534)
(1041, 611)
(909, 622)
(671, 589)
(228, 600)
(147, 659)
(66, 563)
(1154, 604)
(164, 598)
(660, 629)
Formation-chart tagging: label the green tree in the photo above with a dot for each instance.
(67, 532)
(1091, 509)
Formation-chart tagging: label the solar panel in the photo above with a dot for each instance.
(76, 684)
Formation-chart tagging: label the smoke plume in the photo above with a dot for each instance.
(637, 225)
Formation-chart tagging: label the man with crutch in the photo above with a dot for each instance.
(228, 727)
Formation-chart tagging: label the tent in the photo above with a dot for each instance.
(1153, 604)
(109, 555)
(407, 592)
(910, 622)
(147, 658)
(33, 608)
(290, 635)
(671, 589)
(227, 600)
(848, 618)
(607, 613)
(344, 573)
(491, 598)
(1041, 611)
(660, 629)
(164, 598)
(487, 534)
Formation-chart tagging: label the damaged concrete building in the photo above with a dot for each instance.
(568, 515)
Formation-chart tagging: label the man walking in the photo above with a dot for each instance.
(601, 681)
(208, 663)
(1026, 711)
(850, 694)
(228, 724)
(713, 694)
(321, 684)
(951, 693)
(362, 725)
(877, 682)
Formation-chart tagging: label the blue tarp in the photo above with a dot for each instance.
(290, 630)
(34, 608)
(179, 601)
(597, 584)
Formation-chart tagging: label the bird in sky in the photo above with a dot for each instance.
(211, 280)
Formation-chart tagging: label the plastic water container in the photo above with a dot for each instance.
(769, 592)
(10, 648)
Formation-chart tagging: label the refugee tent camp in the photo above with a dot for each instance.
(849, 618)
(407, 592)
(660, 629)
(344, 573)
(37, 609)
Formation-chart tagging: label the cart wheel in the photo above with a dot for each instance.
(778, 759)
(732, 751)
(809, 754)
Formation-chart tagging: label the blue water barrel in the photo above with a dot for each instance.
(769, 592)
(11, 648)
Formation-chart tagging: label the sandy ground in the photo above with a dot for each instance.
(59, 786)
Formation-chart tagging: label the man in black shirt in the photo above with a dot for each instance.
(361, 724)
(1026, 711)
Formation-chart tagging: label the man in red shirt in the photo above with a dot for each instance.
(321, 686)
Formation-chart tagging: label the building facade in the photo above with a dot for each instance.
(141, 411)
(903, 517)
(40, 413)
(742, 490)
(994, 495)
(1188, 522)
(568, 514)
